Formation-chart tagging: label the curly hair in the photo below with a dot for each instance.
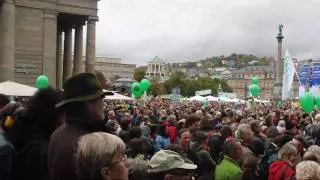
(41, 111)
(308, 170)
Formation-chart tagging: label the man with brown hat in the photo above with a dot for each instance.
(82, 102)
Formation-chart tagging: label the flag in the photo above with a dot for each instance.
(315, 79)
(303, 76)
(288, 74)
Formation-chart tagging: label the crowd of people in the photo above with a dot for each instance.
(77, 135)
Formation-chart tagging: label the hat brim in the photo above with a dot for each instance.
(186, 166)
(84, 98)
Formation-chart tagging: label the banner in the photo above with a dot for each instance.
(303, 77)
(288, 74)
(315, 79)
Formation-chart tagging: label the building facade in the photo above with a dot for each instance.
(241, 79)
(113, 68)
(34, 33)
(157, 69)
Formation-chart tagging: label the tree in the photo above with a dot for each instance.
(189, 86)
(139, 73)
(102, 79)
(157, 88)
(177, 80)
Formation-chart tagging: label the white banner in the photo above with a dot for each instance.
(288, 74)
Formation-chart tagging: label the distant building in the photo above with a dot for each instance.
(123, 85)
(157, 69)
(113, 68)
(241, 79)
(221, 73)
(110, 67)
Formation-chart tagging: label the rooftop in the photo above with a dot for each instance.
(157, 60)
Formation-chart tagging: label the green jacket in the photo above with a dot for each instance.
(228, 169)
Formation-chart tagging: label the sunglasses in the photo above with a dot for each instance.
(123, 158)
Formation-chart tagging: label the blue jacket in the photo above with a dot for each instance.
(161, 142)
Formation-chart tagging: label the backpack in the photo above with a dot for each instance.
(270, 155)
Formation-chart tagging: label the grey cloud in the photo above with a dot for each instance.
(180, 30)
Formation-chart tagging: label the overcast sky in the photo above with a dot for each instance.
(185, 30)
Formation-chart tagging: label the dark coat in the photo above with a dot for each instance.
(206, 166)
(31, 160)
(7, 154)
(63, 144)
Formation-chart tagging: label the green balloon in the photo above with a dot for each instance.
(139, 94)
(307, 102)
(42, 82)
(254, 89)
(145, 84)
(255, 80)
(317, 102)
(136, 89)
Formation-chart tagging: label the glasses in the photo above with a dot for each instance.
(123, 158)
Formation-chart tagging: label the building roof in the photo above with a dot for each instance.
(125, 80)
(157, 60)
(248, 69)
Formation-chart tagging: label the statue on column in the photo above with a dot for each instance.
(280, 29)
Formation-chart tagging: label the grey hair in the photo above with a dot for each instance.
(287, 150)
(314, 148)
(317, 119)
(172, 117)
(308, 170)
(95, 151)
(242, 129)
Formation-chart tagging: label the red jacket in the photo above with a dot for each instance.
(280, 170)
(171, 132)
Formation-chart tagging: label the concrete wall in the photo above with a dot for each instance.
(36, 33)
(28, 44)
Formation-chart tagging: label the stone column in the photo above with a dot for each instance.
(50, 46)
(277, 87)
(78, 45)
(67, 54)
(279, 64)
(7, 40)
(59, 62)
(91, 44)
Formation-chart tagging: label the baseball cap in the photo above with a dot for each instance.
(166, 160)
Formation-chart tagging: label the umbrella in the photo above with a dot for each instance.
(212, 98)
(10, 88)
(118, 96)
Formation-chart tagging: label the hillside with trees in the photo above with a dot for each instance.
(234, 60)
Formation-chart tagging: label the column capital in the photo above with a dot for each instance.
(81, 21)
(93, 19)
(9, 1)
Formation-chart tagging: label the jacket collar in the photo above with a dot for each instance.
(227, 158)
